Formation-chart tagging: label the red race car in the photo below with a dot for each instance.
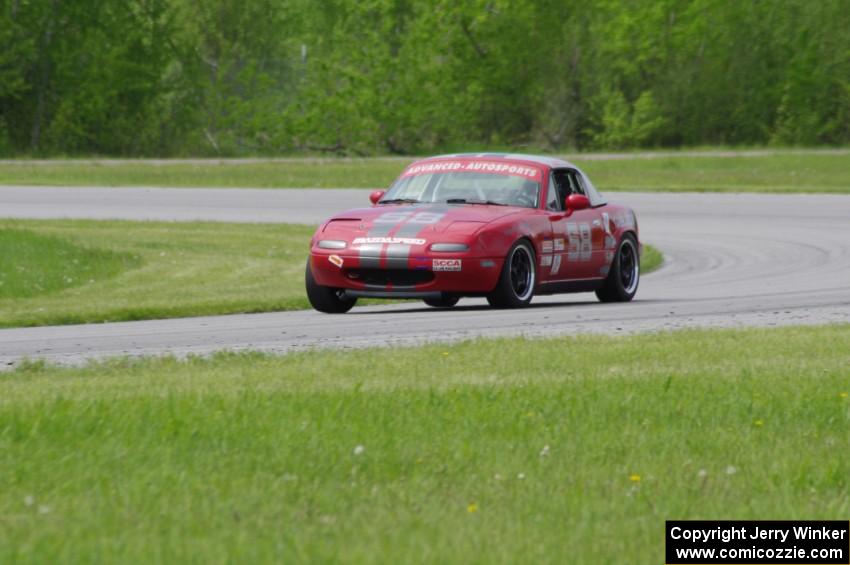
(502, 226)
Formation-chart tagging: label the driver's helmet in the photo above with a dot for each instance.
(527, 193)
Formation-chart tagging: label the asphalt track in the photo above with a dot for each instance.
(731, 260)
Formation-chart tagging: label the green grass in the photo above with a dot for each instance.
(298, 173)
(780, 172)
(143, 270)
(65, 272)
(650, 260)
(34, 264)
(805, 173)
(563, 450)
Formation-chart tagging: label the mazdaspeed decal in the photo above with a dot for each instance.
(397, 240)
(446, 265)
(396, 224)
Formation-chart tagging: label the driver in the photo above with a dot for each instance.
(526, 194)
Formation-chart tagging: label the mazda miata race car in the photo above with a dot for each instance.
(502, 226)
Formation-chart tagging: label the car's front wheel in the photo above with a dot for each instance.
(624, 274)
(517, 279)
(326, 299)
(445, 300)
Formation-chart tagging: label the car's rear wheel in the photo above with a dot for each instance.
(624, 274)
(326, 299)
(517, 279)
(445, 300)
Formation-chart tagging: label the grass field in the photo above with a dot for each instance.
(34, 264)
(564, 450)
(64, 272)
(112, 271)
(651, 259)
(781, 172)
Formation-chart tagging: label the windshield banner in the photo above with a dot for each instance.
(474, 166)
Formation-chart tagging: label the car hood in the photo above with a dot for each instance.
(417, 220)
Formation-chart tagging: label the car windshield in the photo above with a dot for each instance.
(463, 187)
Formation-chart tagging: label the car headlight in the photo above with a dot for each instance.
(449, 247)
(331, 244)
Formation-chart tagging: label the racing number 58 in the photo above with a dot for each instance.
(424, 218)
(579, 242)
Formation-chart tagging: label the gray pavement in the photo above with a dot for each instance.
(308, 206)
(732, 260)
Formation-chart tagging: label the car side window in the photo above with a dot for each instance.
(577, 184)
(565, 185)
(562, 181)
(553, 201)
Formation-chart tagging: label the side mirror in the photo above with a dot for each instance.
(576, 202)
(376, 196)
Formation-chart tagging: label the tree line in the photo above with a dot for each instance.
(362, 77)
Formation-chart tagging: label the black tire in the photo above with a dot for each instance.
(446, 300)
(624, 275)
(515, 288)
(326, 299)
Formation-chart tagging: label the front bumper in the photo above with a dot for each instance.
(416, 277)
(419, 294)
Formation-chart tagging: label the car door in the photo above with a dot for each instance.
(578, 236)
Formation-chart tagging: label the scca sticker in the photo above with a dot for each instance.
(446, 265)
(336, 260)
